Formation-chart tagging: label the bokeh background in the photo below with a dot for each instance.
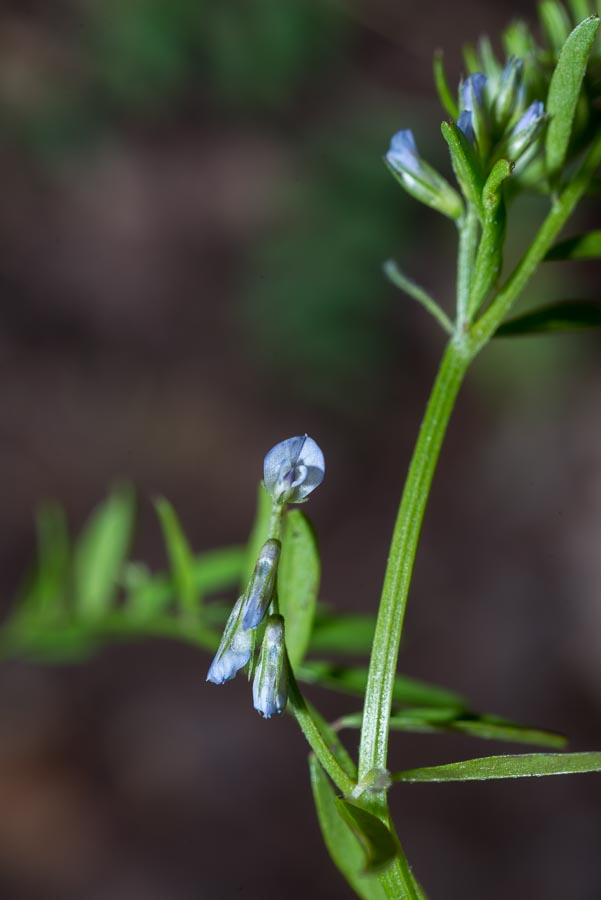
(193, 217)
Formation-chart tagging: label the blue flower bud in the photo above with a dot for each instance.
(402, 153)
(418, 178)
(270, 685)
(234, 650)
(472, 91)
(473, 119)
(259, 593)
(292, 469)
(526, 130)
(510, 93)
(533, 116)
(464, 122)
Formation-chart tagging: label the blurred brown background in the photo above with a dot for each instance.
(193, 219)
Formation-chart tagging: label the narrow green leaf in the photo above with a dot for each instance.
(400, 280)
(101, 552)
(258, 534)
(568, 315)
(298, 583)
(353, 680)
(379, 845)
(455, 720)
(564, 91)
(342, 633)
(465, 164)
(582, 246)
(339, 838)
(520, 766)
(446, 96)
(181, 559)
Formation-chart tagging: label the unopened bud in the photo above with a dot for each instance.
(261, 586)
(270, 685)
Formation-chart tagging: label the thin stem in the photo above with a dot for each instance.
(468, 243)
(378, 697)
(325, 746)
(418, 293)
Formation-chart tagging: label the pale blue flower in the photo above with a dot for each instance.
(292, 469)
(234, 650)
(259, 593)
(403, 155)
(270, 685)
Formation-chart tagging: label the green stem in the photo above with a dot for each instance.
(468, 243)
(378, 697)
(323, 742)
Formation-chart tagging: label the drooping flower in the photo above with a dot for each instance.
(270, 685)
(234, 650)
(293, 469)
(259, 593)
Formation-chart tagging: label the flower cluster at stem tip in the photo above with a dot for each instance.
(494, 122)
(291, 471)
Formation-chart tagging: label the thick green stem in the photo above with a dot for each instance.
(378, 698)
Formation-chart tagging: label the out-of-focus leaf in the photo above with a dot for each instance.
(583, 246)
(519, 766)
(379, 845)
(455, 720)
(339, 838)
(218, 570)
(353, 680)
(555, 24)
(298, 583)
(56, 644)
(181, 559)
(344, 633)
(564, 92)
(567, 315)
(215, 570)
(101, 552)
(446, 96)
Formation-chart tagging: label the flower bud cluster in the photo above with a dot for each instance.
(292, 470)
(494, 117)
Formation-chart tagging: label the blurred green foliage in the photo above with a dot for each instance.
(317, 304)
(143, 58)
